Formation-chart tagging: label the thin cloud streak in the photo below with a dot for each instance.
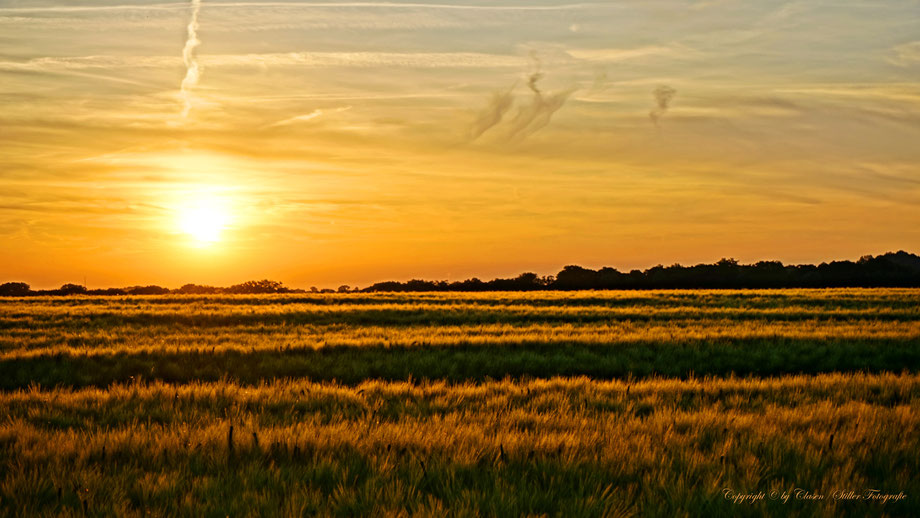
(177, 6)
(306, 117)
(624, 54)
(193, 72)
(308, 59)
(906, 55)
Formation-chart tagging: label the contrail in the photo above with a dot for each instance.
(663, 95)
(193, 71)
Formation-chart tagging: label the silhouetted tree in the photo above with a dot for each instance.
(575, 278)
(523, 282)
(110, 292)
(196, 289)
(71, 289)
(14, 289)
(473, 284)
(147, 290)
(263, 286)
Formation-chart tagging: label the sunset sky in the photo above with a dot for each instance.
(329, 143)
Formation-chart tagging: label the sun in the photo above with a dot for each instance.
(204, 219)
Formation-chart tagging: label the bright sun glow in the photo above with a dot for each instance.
(204, 219)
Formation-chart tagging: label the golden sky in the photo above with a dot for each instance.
(350, 142)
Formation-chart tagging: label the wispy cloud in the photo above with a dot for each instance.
(529, 118)
(663, 96)
(300, 59)
(492, 113)
(52, 64)
(901, 92)
(305, 117)
(905, 55)
(535, 116)
(614, 54)
(309, 5)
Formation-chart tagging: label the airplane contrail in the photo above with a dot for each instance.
(192, 70)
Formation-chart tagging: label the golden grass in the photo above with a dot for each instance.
(543, 441)
(645, 448)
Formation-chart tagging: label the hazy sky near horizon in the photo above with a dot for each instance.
(350, 142)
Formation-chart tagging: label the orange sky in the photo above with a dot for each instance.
(343, 142)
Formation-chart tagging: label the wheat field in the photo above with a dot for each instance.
(658, 403)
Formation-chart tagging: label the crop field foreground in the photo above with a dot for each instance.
(655, 403)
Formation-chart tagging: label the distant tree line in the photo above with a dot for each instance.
(21, 289)
(894, 269)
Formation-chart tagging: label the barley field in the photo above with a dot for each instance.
(620, 403)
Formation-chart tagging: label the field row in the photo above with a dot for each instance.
(582, 447)
(352, 365)
(56, 316)
(834, 298)
(37, 341)
(96, 341)
(408, 317)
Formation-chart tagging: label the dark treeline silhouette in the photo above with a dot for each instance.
(21, 289)
(894, 269)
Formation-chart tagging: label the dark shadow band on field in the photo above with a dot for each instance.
(408, 317)
(354, 364)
